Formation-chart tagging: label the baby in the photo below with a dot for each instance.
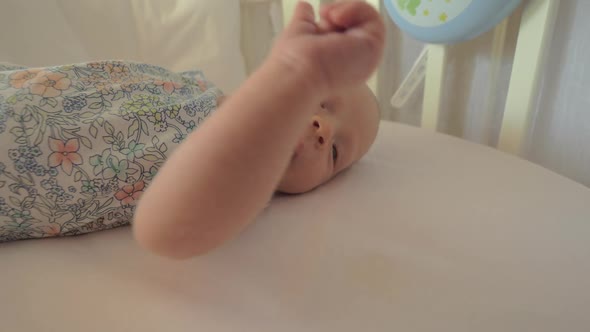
(102, 130)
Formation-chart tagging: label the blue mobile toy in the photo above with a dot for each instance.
(448, 21)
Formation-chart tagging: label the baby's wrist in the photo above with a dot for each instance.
(304, 73)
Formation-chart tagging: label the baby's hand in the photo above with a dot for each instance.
(342, 49)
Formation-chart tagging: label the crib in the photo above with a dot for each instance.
(427, 233)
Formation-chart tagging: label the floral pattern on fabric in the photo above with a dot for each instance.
(80, 143)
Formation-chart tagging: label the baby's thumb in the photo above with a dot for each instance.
(303, 20)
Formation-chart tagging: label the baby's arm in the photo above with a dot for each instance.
(224, 173)
(221, 177)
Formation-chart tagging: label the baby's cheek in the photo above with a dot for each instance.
(298, 178)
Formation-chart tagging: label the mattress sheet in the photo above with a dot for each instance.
(428, 233)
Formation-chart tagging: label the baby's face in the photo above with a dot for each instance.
(339, 134)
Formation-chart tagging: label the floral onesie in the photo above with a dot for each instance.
(79, 143)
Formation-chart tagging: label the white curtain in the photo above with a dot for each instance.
(560, 139)
(179, 34)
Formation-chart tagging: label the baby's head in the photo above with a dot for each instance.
(339, 134)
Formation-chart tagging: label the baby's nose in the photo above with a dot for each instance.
(323, 133)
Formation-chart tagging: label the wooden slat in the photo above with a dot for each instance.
(496, 58)
(535, 33)
(373, 81)
(433, 88)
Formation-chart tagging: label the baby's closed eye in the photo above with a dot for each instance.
(334, 153)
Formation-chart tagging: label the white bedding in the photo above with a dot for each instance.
(428, 233)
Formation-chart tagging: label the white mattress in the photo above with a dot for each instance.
(428, 233)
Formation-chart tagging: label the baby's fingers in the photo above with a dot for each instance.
(355, 16)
